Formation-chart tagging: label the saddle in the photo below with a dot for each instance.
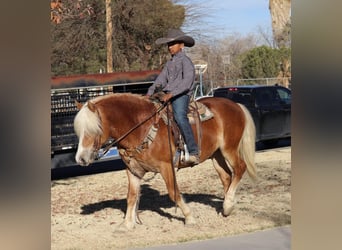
(196, 109)
(197, 114)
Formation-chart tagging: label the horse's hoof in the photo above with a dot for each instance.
(228, 207)
(125, 227)
(190, 221)
(227, 211)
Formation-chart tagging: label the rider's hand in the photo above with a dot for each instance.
(167, 97)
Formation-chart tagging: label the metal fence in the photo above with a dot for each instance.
(63, 110)
(284, 81)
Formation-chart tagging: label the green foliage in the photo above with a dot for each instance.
(264, 62)
(79, 41)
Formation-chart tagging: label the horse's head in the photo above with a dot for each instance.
(87, 125)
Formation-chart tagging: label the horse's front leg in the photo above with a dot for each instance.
(133, 197)
(174, 194)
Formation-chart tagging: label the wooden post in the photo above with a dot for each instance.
(109, 34)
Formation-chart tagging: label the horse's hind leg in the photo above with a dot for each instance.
(222, 169)
(230, 172)
(225, 175)
(239, 167)
(175, 195)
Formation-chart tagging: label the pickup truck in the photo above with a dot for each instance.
(270, 107)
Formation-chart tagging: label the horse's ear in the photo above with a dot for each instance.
(91, 106)
(78, 105)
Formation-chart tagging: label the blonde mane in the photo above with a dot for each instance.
(87, 121)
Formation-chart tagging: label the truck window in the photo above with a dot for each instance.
(266, 97)
(237, 95)
(284, 95)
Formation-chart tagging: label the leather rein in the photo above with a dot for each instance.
(106, 149)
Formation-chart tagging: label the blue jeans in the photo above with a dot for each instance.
(180, 106)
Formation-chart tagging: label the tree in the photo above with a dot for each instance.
(138, 24)
(281, 23)
(79, 43)
(263, 62)
(220, 71)
(77, 40)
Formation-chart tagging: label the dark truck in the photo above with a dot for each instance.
(270, 107)
(65, 90)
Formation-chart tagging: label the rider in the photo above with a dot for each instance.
(177, 81)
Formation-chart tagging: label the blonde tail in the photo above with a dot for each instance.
(247, 144)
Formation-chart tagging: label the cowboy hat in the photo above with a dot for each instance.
(176, 35)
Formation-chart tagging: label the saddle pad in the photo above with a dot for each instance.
(203, 111)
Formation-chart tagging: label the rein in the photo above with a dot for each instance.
(106, 149)
(171, 160)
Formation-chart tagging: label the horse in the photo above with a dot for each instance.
(228, 139)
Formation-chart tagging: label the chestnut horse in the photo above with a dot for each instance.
(228, 139)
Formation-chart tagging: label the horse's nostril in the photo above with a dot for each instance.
(84, 162)
(81, 161)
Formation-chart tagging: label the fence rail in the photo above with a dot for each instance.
(284, 81)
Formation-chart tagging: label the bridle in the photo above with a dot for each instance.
(115, 142)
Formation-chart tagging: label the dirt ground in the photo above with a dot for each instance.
(86, 211)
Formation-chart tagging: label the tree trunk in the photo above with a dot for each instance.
(280, 14)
